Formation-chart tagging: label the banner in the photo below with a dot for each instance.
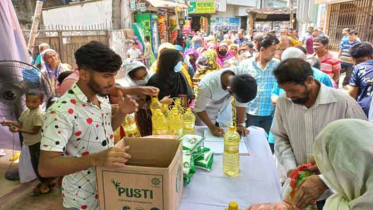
(202, 7)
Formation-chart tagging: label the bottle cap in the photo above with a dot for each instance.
(233, 206)
(232, 128)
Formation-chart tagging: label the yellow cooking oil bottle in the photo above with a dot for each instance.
(189, 120)
(159, 121)
(177, 103)
(155, 104)
(165, 110)
(175, 122)
(233, 206)
(130, 127)
(231, 156)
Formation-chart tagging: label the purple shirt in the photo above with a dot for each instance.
(309, 45)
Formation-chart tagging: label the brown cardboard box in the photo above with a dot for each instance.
(151, 180)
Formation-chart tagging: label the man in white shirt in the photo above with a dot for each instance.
(134, 53)
(306, 108)
(215, 91)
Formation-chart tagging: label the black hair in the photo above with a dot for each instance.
(97, 57)
(167, 61)
(267, 40)
(133, 72)
(293, 70)
(135, 43)
(302, 49)
(324, 40)
(353, 32)
(248, 44)
(50, 101)
(35, 93)
(63, 76)
(361, 50)
(243, 87)
(147, 38)
(314, 62)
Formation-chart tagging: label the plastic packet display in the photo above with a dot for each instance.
(188, 166)
(191, 142)
(198, 154)
(271, 206)
(206, 162)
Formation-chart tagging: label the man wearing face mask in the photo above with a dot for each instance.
(306, 108)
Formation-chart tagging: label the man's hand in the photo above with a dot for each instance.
(5, 122)
(113, 157)
(313, 169)
(216, 131)
(149, 91)
(242, 130)
(309, 191)
(126, 104)
(13, 129)
(166, 100)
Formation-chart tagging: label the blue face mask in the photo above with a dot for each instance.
(178, 66)
(196, 46)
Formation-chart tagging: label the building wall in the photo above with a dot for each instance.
(84, 14)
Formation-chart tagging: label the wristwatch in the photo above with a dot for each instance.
(242, 124)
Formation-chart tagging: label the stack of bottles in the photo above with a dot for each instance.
(171, 120)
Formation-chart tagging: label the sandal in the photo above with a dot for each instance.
(36, 192)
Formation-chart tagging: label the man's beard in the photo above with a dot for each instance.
(304, 100)
(95, 88)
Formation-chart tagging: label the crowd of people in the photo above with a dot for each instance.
(287, 85)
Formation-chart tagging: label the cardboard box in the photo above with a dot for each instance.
(151, 180)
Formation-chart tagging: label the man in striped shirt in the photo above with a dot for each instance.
(345, 57)
(329, 64)
(306, 108)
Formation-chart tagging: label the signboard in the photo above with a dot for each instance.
(202, 7)
(141, 7)
(225, 23)
(133, 5)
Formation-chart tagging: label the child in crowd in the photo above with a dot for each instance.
(29, 124)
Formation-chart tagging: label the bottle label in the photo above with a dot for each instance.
(231, 148)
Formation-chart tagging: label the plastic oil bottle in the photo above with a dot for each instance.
(165, 110)
(189, 121)
(159, 121)
(231, 156)
(130, 127)
(178, 105)
(155, 104)
(175, 122)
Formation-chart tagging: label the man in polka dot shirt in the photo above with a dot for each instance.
(77, 134)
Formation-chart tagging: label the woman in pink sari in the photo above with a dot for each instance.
(223, 55)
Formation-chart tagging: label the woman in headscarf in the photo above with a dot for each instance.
(223, 55)
(344, 153)
(169, 78)
(233, 49)
(207, 63)
(197, 42)
(154, 67)
(211, 45)
(52, 67)
(191, 57)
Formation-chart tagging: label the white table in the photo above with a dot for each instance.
(258, 181)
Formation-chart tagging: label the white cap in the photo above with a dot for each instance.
(293, 52)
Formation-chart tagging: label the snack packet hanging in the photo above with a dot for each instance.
(297, 176)
(191, 142)
(206, 162)
(188, 166)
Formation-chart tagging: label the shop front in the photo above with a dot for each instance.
(199, 13)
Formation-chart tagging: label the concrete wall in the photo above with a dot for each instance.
(84, 14)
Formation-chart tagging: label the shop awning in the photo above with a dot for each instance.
(270, 11)
(166, 4)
